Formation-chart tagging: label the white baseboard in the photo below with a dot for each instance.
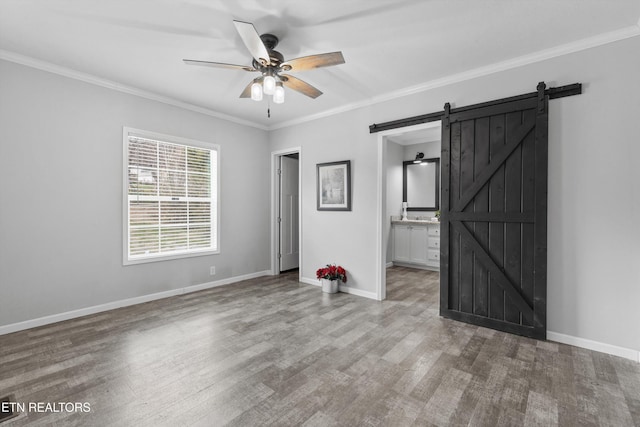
(308, 281)
(389, 264)
(358, 292)
(343, 288)
(54, 318)
(627, 353)
(228, 281)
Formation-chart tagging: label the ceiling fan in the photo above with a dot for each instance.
(271, 65)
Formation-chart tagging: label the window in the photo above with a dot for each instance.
(171, 192)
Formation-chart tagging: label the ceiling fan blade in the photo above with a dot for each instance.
(300, 86)
(219, 65)
(246, 93)
(313, 61)
(252, 40)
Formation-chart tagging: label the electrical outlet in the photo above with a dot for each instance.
(212, 271)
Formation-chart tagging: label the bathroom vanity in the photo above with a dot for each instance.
(416, 243)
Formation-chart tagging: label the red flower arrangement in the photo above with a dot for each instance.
(332, 272)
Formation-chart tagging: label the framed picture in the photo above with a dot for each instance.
(334, 186)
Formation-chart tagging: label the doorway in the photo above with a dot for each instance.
(395, 147)
(286, 199)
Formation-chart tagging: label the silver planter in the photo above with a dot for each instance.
(329, 286)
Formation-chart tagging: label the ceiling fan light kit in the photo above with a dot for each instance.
(269, 85)
(256, 91)
(278, 94)
(270, 63)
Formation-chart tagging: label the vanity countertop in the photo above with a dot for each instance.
(414, 221)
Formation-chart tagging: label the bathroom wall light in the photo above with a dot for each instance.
(419, 157)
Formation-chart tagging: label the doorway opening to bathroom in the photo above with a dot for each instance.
(411, 232)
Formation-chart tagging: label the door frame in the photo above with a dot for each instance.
(275, 198)
(382, 216)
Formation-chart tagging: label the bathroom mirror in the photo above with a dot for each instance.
(421, 184)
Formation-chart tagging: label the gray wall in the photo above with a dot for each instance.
(61, 195)
(395, 153)
(594, 194)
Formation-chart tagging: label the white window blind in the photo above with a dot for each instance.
(171, 198)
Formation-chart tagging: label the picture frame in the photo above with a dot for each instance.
(333, 186)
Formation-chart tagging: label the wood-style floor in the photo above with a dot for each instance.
(273, 351)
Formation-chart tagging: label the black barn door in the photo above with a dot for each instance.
(494, 207)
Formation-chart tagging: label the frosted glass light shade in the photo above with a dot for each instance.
(256, 91)
(269, 85)
(278, 95)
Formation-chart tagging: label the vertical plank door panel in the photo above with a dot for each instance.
(454, 191)
(467, 143)
(496, 205)
(512, 186)
(481, 205)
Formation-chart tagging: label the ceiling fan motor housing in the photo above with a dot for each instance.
(276, 58)
(270, 41)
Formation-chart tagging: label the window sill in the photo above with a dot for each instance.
(158, 258)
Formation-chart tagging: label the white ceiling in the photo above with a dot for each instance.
(390, 47)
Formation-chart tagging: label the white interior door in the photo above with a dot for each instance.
(289, 251)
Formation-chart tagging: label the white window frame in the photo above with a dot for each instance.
(128, 132)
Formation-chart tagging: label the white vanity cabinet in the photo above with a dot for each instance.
(433, 251)
(410, 243)
(416, 243)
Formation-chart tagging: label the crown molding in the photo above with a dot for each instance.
(565, 49)
(109, 84)
(542, 55)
